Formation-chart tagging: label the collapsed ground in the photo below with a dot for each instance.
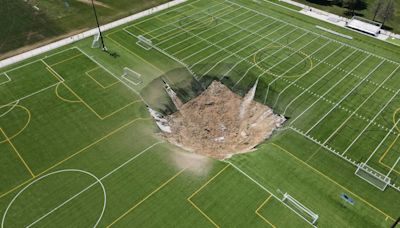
(218, 123)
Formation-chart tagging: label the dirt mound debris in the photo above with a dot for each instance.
(219, 123)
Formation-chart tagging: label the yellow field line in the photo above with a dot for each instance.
(392, 144)
(145, 198)
(97, 82)
(23, 128)
(261, 216)
(306, 56)
(52, 71)
(74, 154)
(16, 151)
(328, 178)
(62, 98)
(65, 60)
(198, 190)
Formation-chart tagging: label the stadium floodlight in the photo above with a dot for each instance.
(103, 47)
(300, 209)
(144, 42)
(372, 176)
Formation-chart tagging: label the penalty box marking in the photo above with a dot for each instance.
(145, 198)
(97, 82)
(260, 215)
(331, 180)
(74, 154)
(8, 79)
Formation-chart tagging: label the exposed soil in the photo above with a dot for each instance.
(219, 123)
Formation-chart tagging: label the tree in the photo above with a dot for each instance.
(352, 5)
(388, 11)
(377, 7)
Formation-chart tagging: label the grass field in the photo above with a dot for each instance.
(79, 149)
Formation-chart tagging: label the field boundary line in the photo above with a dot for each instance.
(365, 101)
(8, 78)
(23, 128)
(94, 183)
(211, 19)
(145, 198)
(329, 90)
(97, 82)
(232, 53)
(66, 60)
(207, 30)
(76, 153)
(18, 154)
(13, 105)
(345, 44)
(331, 180)
(208, 37)
(354, 87)
(198, 190)
(261, 216)
(177, 21)
(268, 191)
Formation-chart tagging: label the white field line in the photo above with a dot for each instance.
(365, 101)
(280, 76)
(371, 121)
(94, 183)
(265, 189)
(154, 17)
(383, 140)
(112, 74)
(344, 44)
(241, 49)
(314, 67)
(214, 34)
(331, 65)
(10, 109)
(392, 168)
(167, 27)
(219, 41)
(345, 96)
(177, 33)
(8, 78)
(169, 11)
(322, 77)
(330, 89)
(273, 53)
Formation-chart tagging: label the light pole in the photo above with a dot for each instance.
(103, 47)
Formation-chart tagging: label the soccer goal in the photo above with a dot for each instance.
(372, 176)
(145, 43)
(300, 209)
(132, 76)
(96, 40)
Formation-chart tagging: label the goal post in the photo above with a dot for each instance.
(372, 176)
(300, 209)
(144, 42)
(96, 40)
(132, 76)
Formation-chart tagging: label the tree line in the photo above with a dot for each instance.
(382, 10)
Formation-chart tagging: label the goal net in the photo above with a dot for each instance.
(372, 176)
(145, 43)
(96, 41)
(300, 209)
(132, 76)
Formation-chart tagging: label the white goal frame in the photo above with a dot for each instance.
(144, 42)
(96, 40)
(132, 76)
(298, 206)
(371, 174)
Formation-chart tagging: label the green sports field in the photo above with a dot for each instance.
(79, 149)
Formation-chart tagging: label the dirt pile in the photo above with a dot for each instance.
(219, 123)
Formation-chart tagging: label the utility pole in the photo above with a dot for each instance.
(103, 47)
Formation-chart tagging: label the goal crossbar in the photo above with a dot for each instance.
(302, 210)
(372, 176)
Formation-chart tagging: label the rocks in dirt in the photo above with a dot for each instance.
(219, 123)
